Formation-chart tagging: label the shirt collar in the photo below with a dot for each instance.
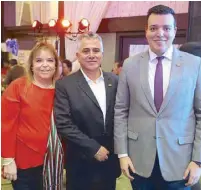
(167, 54)
(88, 79)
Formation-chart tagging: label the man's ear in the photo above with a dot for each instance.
(175, 29)
(77, 55)
(146, 28)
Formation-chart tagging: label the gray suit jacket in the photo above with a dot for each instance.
(175, 131)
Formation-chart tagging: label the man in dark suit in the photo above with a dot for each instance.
(84, 113)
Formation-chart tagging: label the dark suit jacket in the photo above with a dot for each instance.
(79, 120)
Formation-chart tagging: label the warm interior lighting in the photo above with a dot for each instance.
(52, 23)
(65, 23)
(83, 25)
(85, 22)
(63, 27)
(36, 24)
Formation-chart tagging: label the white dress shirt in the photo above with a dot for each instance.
(98, 89)
(166, 62)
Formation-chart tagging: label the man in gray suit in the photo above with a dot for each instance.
(157, 131)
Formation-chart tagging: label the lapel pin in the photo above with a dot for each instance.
(178, 64)
(109, 84)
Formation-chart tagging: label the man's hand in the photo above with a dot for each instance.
(10, 171)
(125, 164)
(194, 172)
(102, 154)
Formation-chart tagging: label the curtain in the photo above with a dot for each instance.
(49, 10)
(75, 11)
(19, 5)
(35, 10)
(43, 11)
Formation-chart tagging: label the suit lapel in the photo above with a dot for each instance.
(144, 73)
(175, 77)
(108, 89)
(86, 88)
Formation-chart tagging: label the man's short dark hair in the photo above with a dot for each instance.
(68, 63)
(13, 62)
(161, 10)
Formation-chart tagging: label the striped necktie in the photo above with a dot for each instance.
(53, 163)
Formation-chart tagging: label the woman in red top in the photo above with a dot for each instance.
(26, 110)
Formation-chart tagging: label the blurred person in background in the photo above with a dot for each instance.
(15, 71)
(193, 48)
(66, 67)
(4, 70)
(4, 64)
(117, 67)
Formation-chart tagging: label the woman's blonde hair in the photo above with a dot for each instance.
(38, 47)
